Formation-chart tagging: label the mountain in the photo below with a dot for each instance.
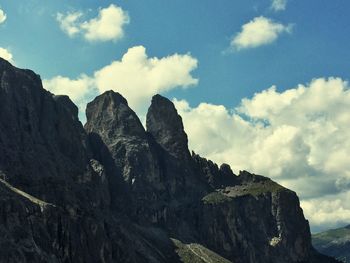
(335, 243)
(113, 191)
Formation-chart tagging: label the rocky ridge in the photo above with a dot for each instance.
(334, 242)
(114, 192)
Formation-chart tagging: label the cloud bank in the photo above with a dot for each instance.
(258, 32)
(299, 137)
(107, 26)
(136, 76)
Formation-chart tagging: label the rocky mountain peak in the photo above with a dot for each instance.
(4, 62)
(110, 116)
(165, 125)
(115, 193)
(66, 102)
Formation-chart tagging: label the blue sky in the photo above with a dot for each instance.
(318, 45)
(253, 69)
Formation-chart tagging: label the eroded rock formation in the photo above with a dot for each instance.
(115, 192)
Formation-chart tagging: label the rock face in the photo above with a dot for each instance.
(115, 192)
(166, 127)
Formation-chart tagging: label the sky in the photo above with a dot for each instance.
(261, 84)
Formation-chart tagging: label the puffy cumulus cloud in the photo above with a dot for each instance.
(136, 76)
(259, 31)
(107, 26)
(2, 16)
(74, 88)
(69, 22)
(79, 90)
(6, 54)
(279, 5)
(299, 137)
(331, 211)
(227, 137)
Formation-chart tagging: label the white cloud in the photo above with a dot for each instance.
(331, 211)
(107, 26)
(299, 137)
(279, 5)
(80, 90)
(74, 88)
(136, 76)
(6, 54)
(259, 31)
(69, 22)
(2, 16)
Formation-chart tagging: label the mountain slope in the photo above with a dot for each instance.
(335, 242)
(115, 192)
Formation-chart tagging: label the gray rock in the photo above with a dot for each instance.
(120, 130)
(113, 192)
(55, 199)
(166, 127)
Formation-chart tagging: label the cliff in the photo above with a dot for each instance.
(115, 192)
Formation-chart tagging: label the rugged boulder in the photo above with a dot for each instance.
(115, 192)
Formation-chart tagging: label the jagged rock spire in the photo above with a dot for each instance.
(165, 125)
(110, 116)
(57, 202)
